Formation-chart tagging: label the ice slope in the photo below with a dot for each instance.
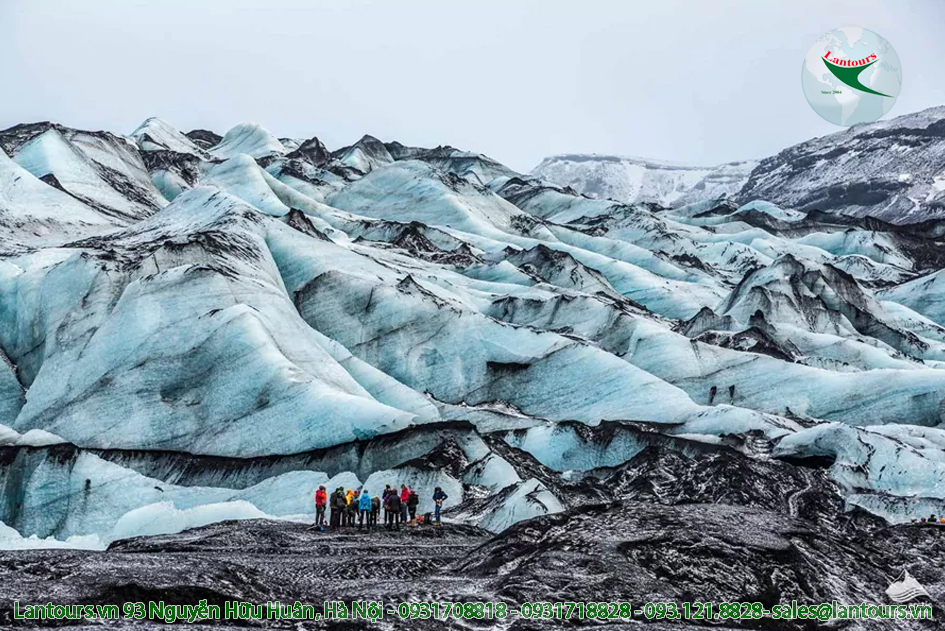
(878, 247)
(365, 155)
(91, 496)
(32, 212)
(475, 167)
(870, 273)
(88, 499)
(908, 392)
(155, 134)
(434, 341)
(10, 539)
(720, 211)
(923, 295)
(298, 182)
(677, 244)
(806, 295)
(312, 151)
(878, 464)
(241, 176)
(119, 380)
(525, 500)
(414, 191)
(101, 170)
(768, 384)
(740, 369)
(248, 138)
(562, 270)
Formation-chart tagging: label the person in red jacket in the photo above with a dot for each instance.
(404, 496)
(321, 500)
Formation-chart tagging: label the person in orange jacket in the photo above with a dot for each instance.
(404, 496)
(321, 500)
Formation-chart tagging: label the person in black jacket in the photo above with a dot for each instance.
(438, 498)
(413, 500)
(375, 509)
(338, 506)
(352, 511)
(384, 496)
(392, 509)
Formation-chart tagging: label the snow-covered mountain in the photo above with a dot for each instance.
(892, 169)
(636, 180)
(198, 327)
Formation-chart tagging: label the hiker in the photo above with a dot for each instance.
(352, 511)
(342, 506)
(712, 392)
(393, 511)
(321, 499)
(337, 507)
(404, 496)
(731, 393)
(364, 509)
(384, 496)
(413, 500)
(438, 497)
(375, 509)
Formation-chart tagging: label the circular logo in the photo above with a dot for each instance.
(851, 76)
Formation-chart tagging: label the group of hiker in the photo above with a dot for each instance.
(932, 519)
(359, 507)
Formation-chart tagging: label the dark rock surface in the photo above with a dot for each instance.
(204, 138)
(692, 524)
(625, 551)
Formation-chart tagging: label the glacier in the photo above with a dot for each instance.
(202, 327)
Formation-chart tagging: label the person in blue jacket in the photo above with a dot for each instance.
(364, 510)
(438, 498)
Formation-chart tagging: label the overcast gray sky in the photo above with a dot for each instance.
(699, 82)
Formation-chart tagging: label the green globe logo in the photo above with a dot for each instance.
(851, 76)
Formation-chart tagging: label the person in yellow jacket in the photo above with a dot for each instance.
(352, 511)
